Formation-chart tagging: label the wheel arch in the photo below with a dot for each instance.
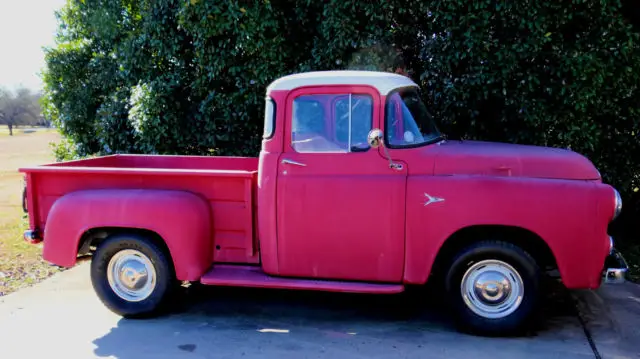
(91, 239)
(526, 239)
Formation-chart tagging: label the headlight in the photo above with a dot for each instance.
(617, 204)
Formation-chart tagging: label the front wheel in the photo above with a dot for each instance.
(131, 275)
(493, 288)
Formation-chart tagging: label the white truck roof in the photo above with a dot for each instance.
(384, 82)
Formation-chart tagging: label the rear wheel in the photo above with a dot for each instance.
(493, 288)
(131, 275)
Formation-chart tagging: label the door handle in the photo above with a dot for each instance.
(290, 162)
(396, 166)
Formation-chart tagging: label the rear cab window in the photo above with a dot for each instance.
(269, 118)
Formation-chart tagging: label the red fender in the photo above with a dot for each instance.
(181, 219)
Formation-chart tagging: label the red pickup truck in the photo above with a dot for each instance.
(354, 190)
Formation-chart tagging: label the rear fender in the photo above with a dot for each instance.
(181, 219)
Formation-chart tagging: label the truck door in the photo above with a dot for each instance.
(340, 208)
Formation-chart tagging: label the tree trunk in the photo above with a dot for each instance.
(10, 129)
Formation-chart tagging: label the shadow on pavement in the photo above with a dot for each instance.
(249, 322)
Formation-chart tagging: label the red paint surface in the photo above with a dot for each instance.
(564, 214)
(343, 216)
(250, 276)
(182, 219)
(339, 210)
(501, 159)
(228, 190)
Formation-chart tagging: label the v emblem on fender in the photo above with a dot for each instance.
(432, 199)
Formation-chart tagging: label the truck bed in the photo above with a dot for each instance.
(228, 183)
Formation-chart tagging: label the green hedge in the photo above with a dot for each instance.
(189, 76)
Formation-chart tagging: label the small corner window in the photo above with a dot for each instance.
(269, 118)
(408, 123)
(335, 123)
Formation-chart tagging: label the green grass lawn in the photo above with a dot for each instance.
(21, 263)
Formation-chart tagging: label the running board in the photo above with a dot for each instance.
(248, 276)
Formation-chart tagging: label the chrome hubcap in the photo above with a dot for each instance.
(492, 289)
(131, 275)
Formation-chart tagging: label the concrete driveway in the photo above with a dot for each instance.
(62, 318)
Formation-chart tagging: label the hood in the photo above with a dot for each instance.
(503, 159)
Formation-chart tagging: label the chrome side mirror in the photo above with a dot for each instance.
(375, 138)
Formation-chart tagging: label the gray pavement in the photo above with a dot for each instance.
(62, 318)
(612, 318)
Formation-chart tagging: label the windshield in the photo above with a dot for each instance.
(408, 123)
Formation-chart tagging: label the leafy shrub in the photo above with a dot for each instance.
(554, 73)
(188, 76)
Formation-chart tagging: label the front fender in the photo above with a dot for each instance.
(567, 215)
(181, 219)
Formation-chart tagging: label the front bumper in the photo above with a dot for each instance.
(615, 268)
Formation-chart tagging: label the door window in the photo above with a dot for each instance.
(331, 123)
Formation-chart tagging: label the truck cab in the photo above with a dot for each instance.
(355, 190)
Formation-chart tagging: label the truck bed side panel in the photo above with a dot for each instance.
(230, 199)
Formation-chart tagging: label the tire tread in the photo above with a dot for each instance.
(151, 306)
(529, 270)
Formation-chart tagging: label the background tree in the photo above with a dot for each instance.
(21, 108)
(188, 76)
